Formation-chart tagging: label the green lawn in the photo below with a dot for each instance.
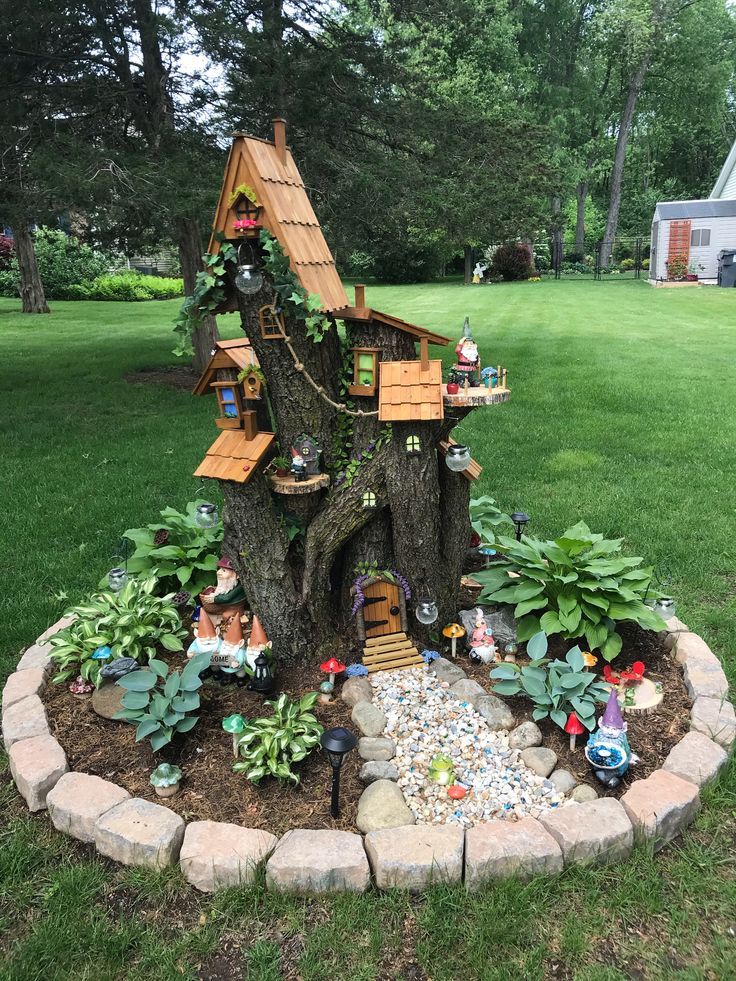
(622, 414)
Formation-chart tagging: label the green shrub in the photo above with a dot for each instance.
(130, 285)
(556, 688)
(626, 264)
(131, 623)
(578, 585)
(63, 262)
(270, 747)
(645, 263)
(176, 551)
(159, 701)
(486, 518)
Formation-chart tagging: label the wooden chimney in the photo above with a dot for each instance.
(279, 139)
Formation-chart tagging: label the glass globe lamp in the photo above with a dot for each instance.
(248, 279)
(117, 578)
(206, 515)
(458, 458)
(426, 611)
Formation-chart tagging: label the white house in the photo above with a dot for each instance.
(698, 230)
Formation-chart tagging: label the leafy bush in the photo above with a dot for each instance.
(131, 623)
(130, 285)
(578, 585)
(159, 701)
(63, 262)
(556, 688)
(485, 518)
(645, 263)
(176, 551)
(512, 260)
(7, 251)
(677, 266)
(271, 746)
(626, 264)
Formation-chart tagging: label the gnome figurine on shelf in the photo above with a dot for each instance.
(468, 360)
(608, 750)
(206, 640)
(232, 654)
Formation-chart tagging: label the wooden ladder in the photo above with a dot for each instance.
(390, 652)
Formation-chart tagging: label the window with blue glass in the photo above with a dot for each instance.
(227, 396)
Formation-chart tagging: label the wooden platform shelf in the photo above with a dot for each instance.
(480, 395)
(390, 652)
(287, 485)
(646, 701)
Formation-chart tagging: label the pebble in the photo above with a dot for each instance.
(424, 717)
(526, 735)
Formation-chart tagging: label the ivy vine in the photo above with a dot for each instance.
(209, 293)
(294, 298)
(347, 476)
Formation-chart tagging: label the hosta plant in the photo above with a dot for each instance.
(270, 747)
(131, 623)
(176, 551)
(556, 688)
(160, 702)
(578, 585)
(486, 518)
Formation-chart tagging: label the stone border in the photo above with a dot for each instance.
(215, 854)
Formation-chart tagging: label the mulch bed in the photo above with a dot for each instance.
(211, 791)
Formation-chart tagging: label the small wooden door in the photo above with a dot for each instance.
(381, 610)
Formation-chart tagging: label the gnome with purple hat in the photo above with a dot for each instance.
(608, 750)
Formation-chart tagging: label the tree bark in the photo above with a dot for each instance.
(190, 257)
(31, 288)
(581, 192)
(619, 159)
(468, 267)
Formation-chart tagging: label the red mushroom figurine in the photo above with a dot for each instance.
(573, 728)
(332, 667)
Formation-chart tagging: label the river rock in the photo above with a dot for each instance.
(107, 699)
(368, 718)
(468, 691)
(524, 736)
(376, 748)
(540, 760)
(564, 781)
(583, 793)
(382, 805)
(377, 770)
(447, 671)
(495, 711)
(502, 623)
(356, 690)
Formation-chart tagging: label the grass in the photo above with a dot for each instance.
(622, 414)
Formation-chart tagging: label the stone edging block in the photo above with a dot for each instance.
(214, 854)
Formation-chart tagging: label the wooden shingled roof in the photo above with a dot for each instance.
(406, 393)
(228, 354)
(235, 457)
(367, 313)
(268, 167)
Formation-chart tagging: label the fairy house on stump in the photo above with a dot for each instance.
(375, 405)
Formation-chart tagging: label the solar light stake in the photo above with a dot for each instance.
(521, 520)
(336, 743)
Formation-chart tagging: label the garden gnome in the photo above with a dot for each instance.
(480, 639)
(206, 640)
(258, 643)
(228, 590)
(608, 750)
(232, 652)
(468, 360)
(298, 467)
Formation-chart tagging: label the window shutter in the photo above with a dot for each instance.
(679, 239)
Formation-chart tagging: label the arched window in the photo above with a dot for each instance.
(413, 446)
(369, 499)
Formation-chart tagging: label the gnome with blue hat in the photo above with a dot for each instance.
(608, 750)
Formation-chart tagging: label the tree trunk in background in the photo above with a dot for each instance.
(557, 237)
(31, 287)
(468, 265)
(582, 194)
(190, 256)
(619, 159)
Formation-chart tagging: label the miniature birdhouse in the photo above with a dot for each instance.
(252, 385)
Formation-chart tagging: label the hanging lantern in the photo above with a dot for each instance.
(426, 611)
(248, 279)
(206, 515)
(117, 578)
(458, 457)
(665, 606)
(262, 681)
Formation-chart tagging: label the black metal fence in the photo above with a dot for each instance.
(619, 260)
